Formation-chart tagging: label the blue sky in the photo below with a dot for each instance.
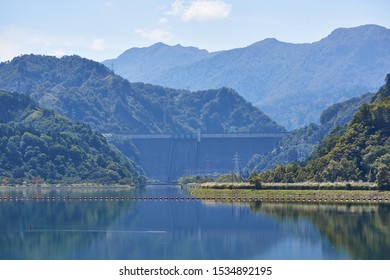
(103, 29)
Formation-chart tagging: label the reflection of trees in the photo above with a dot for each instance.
(55, 229)
(362, 230)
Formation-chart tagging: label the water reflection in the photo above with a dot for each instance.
(362, 230)
(187, 229)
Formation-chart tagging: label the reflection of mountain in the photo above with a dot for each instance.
(362, 230)
(193, 230)
(59, 229)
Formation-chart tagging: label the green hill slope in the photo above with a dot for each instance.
(37, 143)
(299, 144)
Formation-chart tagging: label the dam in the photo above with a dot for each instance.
(166, 157)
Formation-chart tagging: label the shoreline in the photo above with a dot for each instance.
(241, 193)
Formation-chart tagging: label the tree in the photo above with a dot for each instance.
(5, 180)
(383, 177)
(255, 180)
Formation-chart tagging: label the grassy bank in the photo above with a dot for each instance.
(355, 191)
(288, 186)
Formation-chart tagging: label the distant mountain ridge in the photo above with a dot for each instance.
(142, 60)
(292, 83)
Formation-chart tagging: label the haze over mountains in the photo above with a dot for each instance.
(292, 83)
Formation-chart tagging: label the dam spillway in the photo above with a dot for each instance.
(166, 157)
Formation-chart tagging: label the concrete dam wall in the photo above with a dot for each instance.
(166, 157)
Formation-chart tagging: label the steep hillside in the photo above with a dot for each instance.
(292, 83)
(361, 151)
(38, 143)
(297, 145)
(89, 92)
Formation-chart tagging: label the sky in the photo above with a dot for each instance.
(103, 29)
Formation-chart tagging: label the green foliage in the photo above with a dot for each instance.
(38, 144)
(255, 180)
(229, 178)
(383, 177)
(361, 151)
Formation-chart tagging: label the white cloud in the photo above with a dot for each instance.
(17, 40)
(98, 44)
(200, 10)
(157, 34)
(163, 20)
(58, 53)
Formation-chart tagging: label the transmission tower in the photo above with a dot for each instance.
(236, 161)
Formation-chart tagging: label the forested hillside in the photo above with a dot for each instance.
(299, 143)
(39, 145)
(360, 151)
(89, 92)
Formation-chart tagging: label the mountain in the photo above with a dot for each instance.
(89, 92)
(141, 64)
(292, 83)
(38, 144)
(360, 151)
(299, 143)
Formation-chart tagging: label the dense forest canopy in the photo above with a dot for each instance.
(39, 145)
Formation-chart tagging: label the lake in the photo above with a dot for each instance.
(74, 228)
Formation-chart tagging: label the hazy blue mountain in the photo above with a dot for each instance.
(292, 83)
(146, 64)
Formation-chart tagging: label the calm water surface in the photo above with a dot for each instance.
(187, 229)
